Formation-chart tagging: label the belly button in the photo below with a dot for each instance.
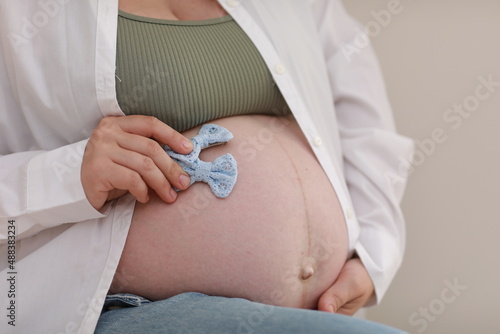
(307, 272)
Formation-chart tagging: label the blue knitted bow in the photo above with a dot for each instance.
(221, 174)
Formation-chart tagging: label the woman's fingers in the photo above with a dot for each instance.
(120, 177)
(151, 127)
(123, 154)
(155, 156)
(352, 289)
(101, 176)
(147, 166)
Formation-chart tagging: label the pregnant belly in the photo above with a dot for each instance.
(279, 238)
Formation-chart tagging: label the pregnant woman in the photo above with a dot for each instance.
(89, 188)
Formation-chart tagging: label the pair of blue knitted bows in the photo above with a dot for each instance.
(221, 174)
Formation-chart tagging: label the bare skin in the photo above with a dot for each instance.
(279, 238)
(182, 10)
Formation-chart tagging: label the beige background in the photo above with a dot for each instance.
(432, 54)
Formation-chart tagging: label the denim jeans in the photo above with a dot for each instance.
(196, 313)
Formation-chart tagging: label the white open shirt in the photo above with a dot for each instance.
(57, 77)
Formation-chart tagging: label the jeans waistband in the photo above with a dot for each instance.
(122, 300)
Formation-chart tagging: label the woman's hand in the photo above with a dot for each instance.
(352, 289)
(123, 155)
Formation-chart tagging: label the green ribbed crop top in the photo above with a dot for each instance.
(190, 72)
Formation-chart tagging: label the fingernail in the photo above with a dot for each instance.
(173, 194)
(184, 180)
(187, 144)
(331, 309)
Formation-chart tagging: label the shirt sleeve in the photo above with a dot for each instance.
(42, 189)
(372, 150)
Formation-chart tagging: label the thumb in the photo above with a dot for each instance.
(335, 297)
